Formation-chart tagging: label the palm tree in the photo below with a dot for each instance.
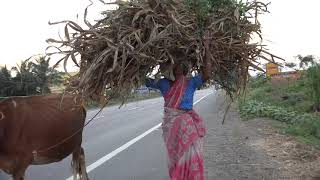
(6, 83)
(31, 77)
(24, 79)
(44, 74)
(41, 71)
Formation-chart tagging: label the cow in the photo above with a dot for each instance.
(42, 129)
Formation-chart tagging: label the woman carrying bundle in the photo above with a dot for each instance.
(183, 129)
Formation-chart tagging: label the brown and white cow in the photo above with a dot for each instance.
(31, 125)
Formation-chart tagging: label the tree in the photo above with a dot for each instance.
(31, 77)
(44, 74)
(6, 83)
(291, 65)
(311, 66)
(25, 82)
(306, 61)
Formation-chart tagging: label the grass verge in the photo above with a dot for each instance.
(287, 103)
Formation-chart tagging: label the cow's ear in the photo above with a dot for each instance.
(2, 116)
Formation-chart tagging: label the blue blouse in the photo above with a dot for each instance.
(164, 85)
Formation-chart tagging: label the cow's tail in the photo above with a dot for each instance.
(78, 165)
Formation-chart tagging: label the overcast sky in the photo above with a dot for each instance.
(291, 28)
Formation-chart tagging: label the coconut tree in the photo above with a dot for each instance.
(6, 82)
(25, 82)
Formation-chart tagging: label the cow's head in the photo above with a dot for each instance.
(2, 116)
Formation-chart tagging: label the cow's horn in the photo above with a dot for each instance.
(1, 116)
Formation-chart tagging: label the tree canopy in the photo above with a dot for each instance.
(28, 78)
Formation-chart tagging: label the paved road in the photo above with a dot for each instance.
(143, 160)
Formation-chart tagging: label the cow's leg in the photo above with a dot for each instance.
(6, 163)
(21, 168)
(78, 164)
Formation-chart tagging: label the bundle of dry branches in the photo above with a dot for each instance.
(128, 44)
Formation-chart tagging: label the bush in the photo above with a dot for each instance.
(251, 108)
(258, 81)
(293, 104)
(304, 125)
(313, 81)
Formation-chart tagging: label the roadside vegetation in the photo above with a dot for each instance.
(29, 78)
(294, 103)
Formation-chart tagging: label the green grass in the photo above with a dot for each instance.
(289, 104)
(305, 126)
(293, 96)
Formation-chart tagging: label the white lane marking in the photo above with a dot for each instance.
(107, 157)
(117, 151)
(98, 117)
(201, 98)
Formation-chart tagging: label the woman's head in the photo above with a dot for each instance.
(180, 69)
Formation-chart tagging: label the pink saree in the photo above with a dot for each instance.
(183, 133)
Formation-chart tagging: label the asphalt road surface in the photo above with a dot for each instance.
(121, 144)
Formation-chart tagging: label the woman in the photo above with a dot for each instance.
(183, 129)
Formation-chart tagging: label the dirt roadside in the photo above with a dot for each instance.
(253, 150)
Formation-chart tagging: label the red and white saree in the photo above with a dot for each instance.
(183, 133)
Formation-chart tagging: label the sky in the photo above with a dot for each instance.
(291, 27)
(24, 25)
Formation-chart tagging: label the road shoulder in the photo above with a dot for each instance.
(252, 149)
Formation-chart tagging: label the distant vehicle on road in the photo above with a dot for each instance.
(142, 90)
